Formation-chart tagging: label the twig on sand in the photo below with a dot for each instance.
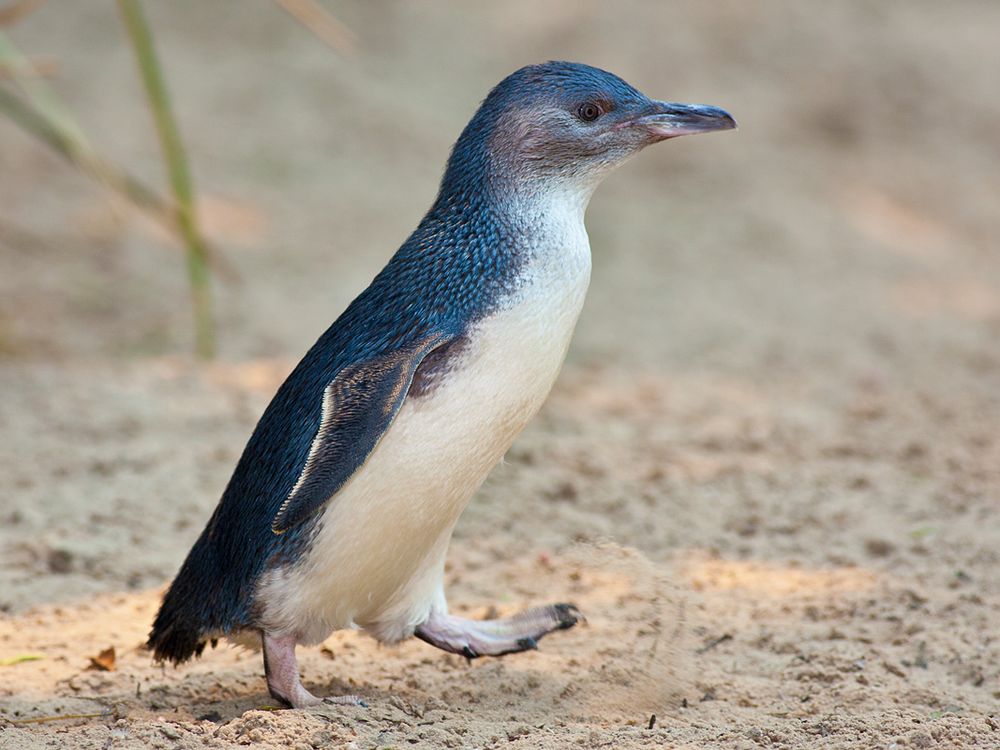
(64, 717)
(714, 642)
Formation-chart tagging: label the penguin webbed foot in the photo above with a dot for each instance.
(509, 635)
(283, 681)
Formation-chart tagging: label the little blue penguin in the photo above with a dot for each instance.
(341, 508)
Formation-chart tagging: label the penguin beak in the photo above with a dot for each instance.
(670, 120)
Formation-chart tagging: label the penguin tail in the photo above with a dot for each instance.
(177, 635)
(176, 645)
(193, 611)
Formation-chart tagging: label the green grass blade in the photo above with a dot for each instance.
(20, 659)
(66, 145)
(177, 167)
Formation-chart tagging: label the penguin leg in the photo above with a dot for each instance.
(473, 638)
(283, 681)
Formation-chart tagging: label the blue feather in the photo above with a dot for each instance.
(462, 259)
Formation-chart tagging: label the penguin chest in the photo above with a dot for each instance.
(377, 557)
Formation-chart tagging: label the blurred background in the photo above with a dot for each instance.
(783, 393)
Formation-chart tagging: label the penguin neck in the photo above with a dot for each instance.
(484, 236)
(523, 211)
(486, 179)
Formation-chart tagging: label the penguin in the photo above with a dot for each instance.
(341, 508)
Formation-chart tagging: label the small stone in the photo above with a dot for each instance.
(170, 732)
(60, 561)
(879, 547)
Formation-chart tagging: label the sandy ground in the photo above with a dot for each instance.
(769, 473)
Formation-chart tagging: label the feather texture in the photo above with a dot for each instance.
(494, 277)
(358, 407)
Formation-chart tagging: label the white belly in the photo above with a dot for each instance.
(377, 560)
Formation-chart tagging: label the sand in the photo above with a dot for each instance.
(768, 473)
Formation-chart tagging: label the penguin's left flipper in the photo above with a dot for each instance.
(358, 407)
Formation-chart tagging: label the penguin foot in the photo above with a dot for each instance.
(474, 638)
(345, 700)
(283, 681)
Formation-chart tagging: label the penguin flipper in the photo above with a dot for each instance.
(358, 407)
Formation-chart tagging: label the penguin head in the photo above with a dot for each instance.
(569, 122)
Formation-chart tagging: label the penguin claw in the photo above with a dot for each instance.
(346, 700)
(568, 615)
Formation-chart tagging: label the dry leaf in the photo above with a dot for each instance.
(104, 661)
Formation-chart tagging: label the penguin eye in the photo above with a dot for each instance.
(589, 111)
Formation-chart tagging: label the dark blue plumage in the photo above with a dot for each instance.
(445, 276)
(541, 128)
